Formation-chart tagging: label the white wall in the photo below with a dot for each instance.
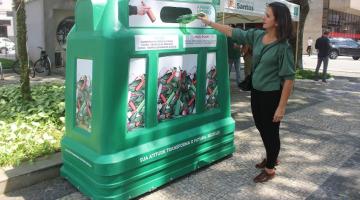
(55, 11)
(355, 4)
(5, 7)
(35, 28)
(313, 23)
(6, 4)
(42, 20)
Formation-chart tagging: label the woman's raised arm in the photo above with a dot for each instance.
(227, 30)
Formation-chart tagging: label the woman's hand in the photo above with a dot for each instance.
(285, 93)
(205, 20)
(279, 114)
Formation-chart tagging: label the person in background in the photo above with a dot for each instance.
(273, 75)
(247, 55)
(322, 44)
(309, 46)
(234, 57)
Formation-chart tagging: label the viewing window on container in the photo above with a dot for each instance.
(176, 95)
(136, 94)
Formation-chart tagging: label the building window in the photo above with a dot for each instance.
(63, 30)
(343, 22)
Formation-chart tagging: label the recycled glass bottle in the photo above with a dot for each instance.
(185, 19)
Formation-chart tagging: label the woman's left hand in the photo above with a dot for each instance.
(279, 114)
(204, 20)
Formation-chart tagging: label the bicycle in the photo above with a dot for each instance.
(16, 68)
(43, 64)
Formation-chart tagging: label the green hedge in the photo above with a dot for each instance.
(308, 74)
(6, 63)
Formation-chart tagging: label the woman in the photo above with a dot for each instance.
(273, 75)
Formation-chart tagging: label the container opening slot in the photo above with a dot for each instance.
(170, 14)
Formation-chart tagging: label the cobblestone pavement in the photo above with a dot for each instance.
(320, 154)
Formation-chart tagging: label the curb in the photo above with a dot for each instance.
(30, 173)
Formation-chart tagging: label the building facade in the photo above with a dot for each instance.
(6, 19)
(48, 23)
(340, 17)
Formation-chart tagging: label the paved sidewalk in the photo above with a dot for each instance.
(12, 78)
(320, 154)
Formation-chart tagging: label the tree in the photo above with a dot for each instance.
(304, 10)
(19, 7)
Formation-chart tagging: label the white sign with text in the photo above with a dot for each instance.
(200, 40)
(156, 42)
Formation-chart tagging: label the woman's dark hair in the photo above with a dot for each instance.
(282, 16)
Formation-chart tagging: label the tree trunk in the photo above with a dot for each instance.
(21, 48)
(304, 10)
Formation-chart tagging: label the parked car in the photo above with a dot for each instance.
(6, 44)
(344, 47)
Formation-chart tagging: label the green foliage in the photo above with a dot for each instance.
(30, 129)
(308, 74)
(6, 63)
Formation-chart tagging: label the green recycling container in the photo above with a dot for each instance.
(147, 97)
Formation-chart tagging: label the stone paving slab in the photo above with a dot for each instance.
(311, 85)
(73, 196)
(343, 184)
(330, 115)
(47, 190)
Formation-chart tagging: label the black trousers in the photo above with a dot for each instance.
(325, 60)
(263, 107)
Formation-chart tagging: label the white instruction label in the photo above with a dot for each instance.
(200, 40)
(156, 42)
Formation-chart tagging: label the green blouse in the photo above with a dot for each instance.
(276, 64)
